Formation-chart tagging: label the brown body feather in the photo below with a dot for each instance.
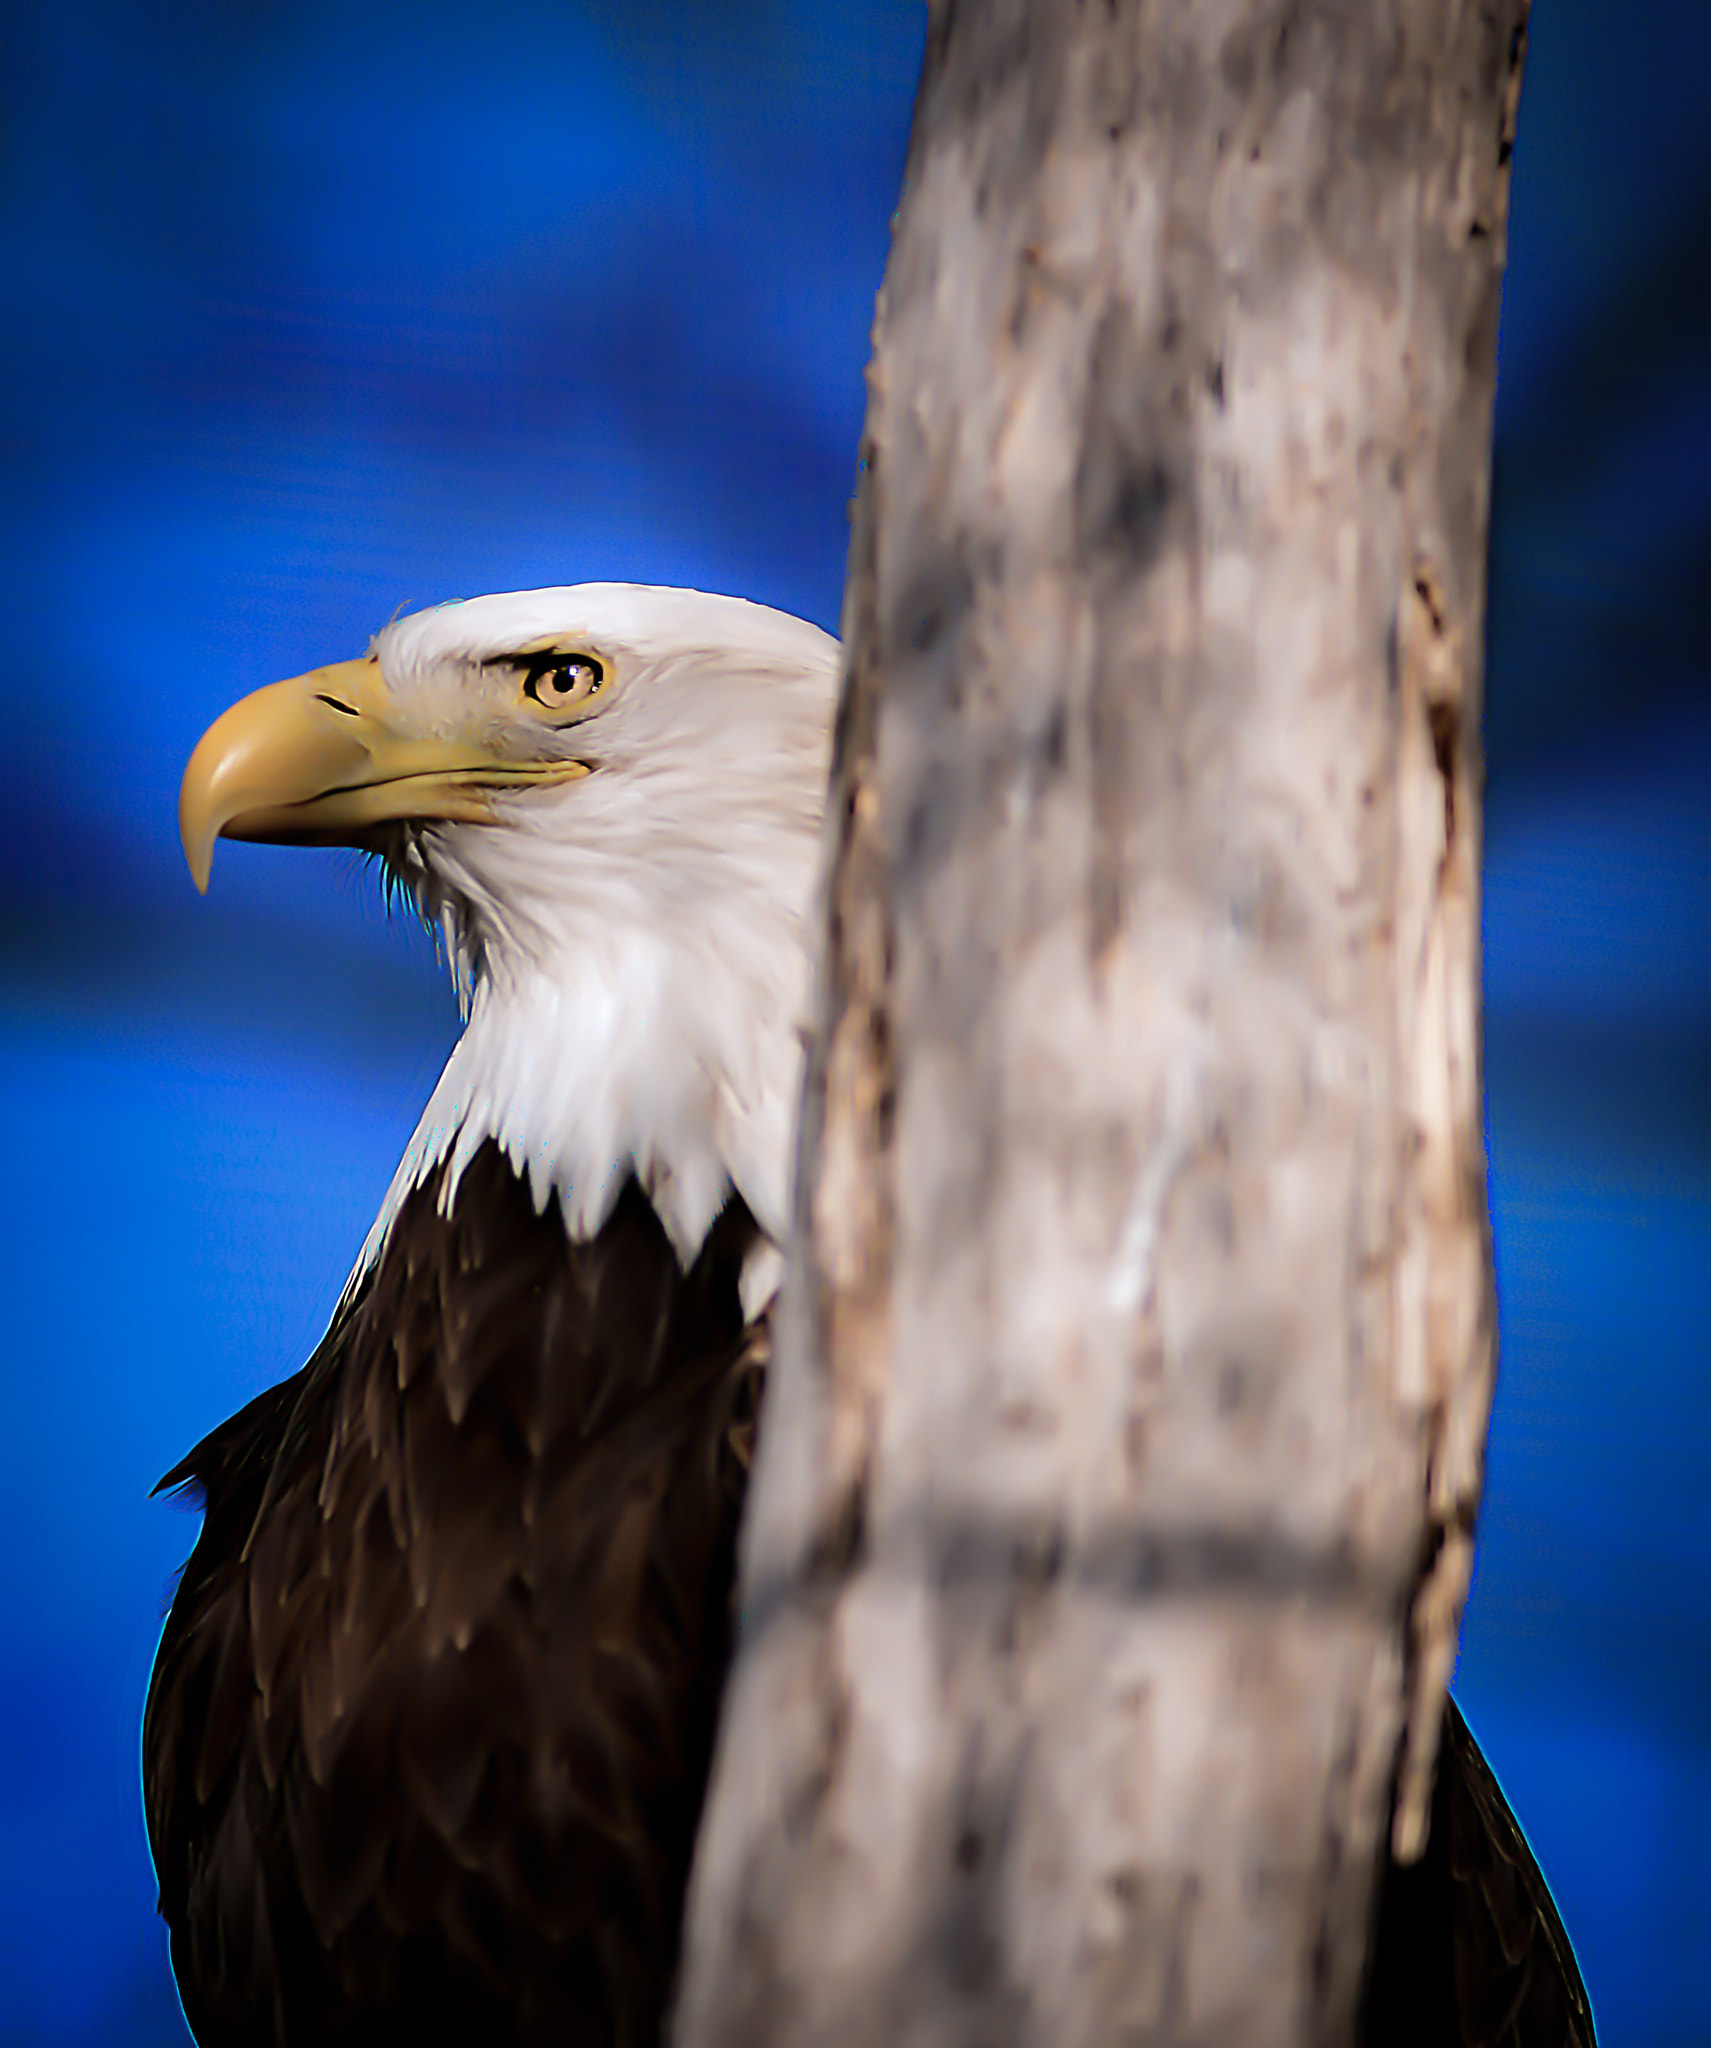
(429, 1728)
(1470, 1951)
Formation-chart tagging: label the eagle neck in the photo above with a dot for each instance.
(673, 1058)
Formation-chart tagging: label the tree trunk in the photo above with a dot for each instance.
(1115, 1502)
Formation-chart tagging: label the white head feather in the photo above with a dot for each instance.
(631, 947)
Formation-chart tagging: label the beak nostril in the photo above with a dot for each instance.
(333, 704)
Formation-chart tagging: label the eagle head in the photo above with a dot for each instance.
(607, 798)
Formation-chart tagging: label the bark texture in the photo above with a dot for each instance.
(1115, 1500)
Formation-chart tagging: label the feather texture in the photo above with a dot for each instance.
(429, 1729)
(634, 945)
(427, 1736)
(1470, 1951)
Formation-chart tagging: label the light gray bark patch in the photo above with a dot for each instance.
(1246, 1391)
(931, 827)
(1329, 1962)
(840, 1548)
(975, 1559)
(1051, 744)
(1108, 721)
(967, 1942)
(1136, 509)
(1134, 488)
(809, 1793)
(1479, 353)
(998, 55)
(923, 625)
(1260, 901)
(1328, 52)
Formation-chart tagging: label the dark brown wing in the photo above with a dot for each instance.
(1470, 1951)
(428, 1732)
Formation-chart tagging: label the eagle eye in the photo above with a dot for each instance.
(563, 681)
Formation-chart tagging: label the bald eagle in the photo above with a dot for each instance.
(431, 1719)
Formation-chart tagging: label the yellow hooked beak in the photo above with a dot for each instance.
(318, 760)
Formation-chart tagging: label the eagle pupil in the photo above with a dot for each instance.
(566, 679)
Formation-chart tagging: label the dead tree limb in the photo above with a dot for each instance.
(1115, 1500)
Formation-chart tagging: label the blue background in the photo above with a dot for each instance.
(313, 312)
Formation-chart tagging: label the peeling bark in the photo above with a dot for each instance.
(1114, 1507)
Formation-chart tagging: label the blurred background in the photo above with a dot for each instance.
(314, 312)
